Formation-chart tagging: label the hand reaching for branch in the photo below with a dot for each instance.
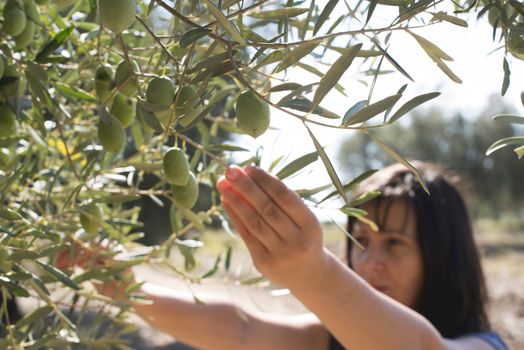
(89, 257)
(282, 235)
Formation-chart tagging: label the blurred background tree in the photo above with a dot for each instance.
(492, 183)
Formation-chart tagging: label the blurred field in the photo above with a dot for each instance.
(502, 255)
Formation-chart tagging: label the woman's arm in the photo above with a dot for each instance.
(285, 241)
(220, 325)
(217, 324)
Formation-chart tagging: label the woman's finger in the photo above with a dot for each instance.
(286, 199)
(250, 218)
(255, 247)
(267, 208)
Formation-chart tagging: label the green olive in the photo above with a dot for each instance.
(187, 195)
(31, 11)
(125, 78)
(12, 88)
(117, 15)
(7, 122)
(1, 67)
(111, 134)
(160, 91)
(14, 21)
(90, 217)
(26, 37)
(186, 101)
(253, 114)
(62, 4)
(124, 109)
(516, 44)
(103, 81)
(176, 166)
(5, 158)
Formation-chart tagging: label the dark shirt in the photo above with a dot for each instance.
(490, 337)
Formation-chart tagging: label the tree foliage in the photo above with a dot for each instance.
(93, 94)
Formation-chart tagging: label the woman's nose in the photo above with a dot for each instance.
(373, 258)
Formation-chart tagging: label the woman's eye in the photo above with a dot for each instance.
(394, 242)
(361, 239)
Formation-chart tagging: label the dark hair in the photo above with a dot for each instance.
(453, 296)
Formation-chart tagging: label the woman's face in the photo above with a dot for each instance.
(391, 260)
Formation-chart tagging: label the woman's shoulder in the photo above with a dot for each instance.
(491, 337)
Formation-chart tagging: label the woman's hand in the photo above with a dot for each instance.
(282, 235)
(95, 257)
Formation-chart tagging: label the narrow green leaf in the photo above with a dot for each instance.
(149, 119)
(329, 167)
(53, 44)
(13, 287)
(284, 13)
(519, 151)
(411, 104)
(285, 87)
(33, 317)
(273, 57)
(298, 93)
(392, 60)
(371, 9)
(193, 35)
(214, 269)
(274, 163)
(210, 62)
(319, 74)
(349, 235)
(352, 184)
(306, 192)
(224, 22)
(431, 49)
(507, 73)
(449, 72)
(372, 110)
(354, 109)
(74, 92)
(504, 142)
(296, 55)
(360, 215)
(522, 98)
(366, 197)
(297, 164)
(401, 160)
(224, 147)
(304, 105)
(509, 118)
(229, 254)
(59, 275)
(451, 19)
(324, 15)
(334, 74)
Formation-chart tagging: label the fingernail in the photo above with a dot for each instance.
(250, 169)
(232, 173)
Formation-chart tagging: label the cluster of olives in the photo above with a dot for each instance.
(123, 106)
(7, 117)
(19, 21)
(184, 185)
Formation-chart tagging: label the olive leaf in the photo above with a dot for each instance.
(297, 164)
(334, 74)
(411, 104)
(224, 22)
(372, 110)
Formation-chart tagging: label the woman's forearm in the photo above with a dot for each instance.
(221, 325)
(358, 316)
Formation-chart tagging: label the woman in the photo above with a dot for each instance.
(416, 284)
